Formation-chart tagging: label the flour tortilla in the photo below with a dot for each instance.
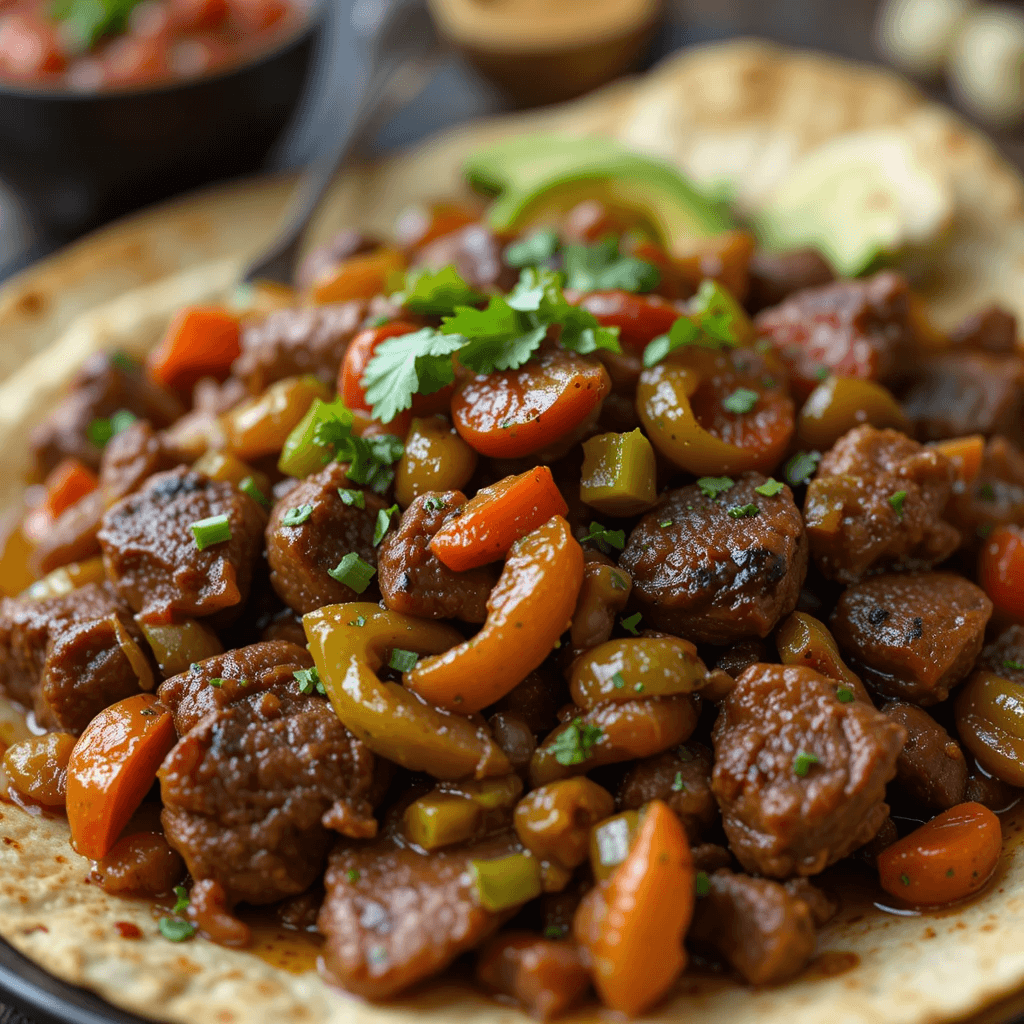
(734, 116)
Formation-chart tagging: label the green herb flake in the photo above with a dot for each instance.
(741, 401)
(1013, 665)
(353, 572)
(181, 895)
(174, 930)
(618, 682)
(630, 623)
(216, 682)
(555, 931)
(403, 661)
(677, 783)
(802, 763)
(987, 492)
(434, 504)
(710, 323)
(251, 488)
(601, 267)
(533, 250)
(351, 497)
(821, 374)
(984, 530)
(618, 583)
(297, 516)
(845, 695)
(747, 511)
(123, 362)
(801, 468)
(770, 487)
(214, 530)
(383, 523)
(436, 292)
(950, 872)
(575, 743)
(605, 539)
(713, 486)
(896, 501)
(702, 884)
(85, 22)
(309, 681)
(352, 875)
(639, 687)
(665, 523)
(101, 430)
(905, 879)
(358, 621)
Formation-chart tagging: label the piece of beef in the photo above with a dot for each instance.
(261, 774)
(319, 261)
(414, 582)
(958, 393)
(799, 776)
(302, 555)
(774, 276)
(992, 329)
(912, 636)
(107, 383)
(682, 779)
(62, 656)
(154, 561)
(394, 916)
(1005, 655)
(762, 931)
(737, 659)
(876, 504)
(858, 328)
(291, 342)
(931, 768)
(713, 575)
(475, 252)
(995, 498)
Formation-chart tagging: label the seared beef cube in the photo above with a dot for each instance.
(931, 768)
(291, 342)
(682, 779)
(62, 657)
(1005, 655)
(302, 554)
(475, 252)
(993, 329)
(774, 276)
(394, 916)
(154, 561)
(724, 568)
(414, 582)
(737, 659)
(856, 329)
(912, 637)
(960, 393)
(105, 384)
(799, 775)
(876, 504)
(262, 775)
(765, 934)
(130, 459)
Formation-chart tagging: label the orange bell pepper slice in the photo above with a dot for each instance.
(358, 277)
(201, 341)
(633, 924)
(947, 859)
(112, 768)
(966, 454)
(496, 517)
(68, 482)
(529, 608)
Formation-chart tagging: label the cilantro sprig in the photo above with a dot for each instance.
(436, 292)
(710, 322)
(599, 267)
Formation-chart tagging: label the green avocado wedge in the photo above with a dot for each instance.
(538, 177)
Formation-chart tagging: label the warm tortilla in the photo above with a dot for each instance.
(737, 114)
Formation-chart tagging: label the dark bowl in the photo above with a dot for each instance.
(75, 160)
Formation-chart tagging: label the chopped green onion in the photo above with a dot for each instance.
(214, 530)
(713, 486)
(353, 572)
(665, 523)
(175, 930)
(802, 763)
(403, 661)
(743, 511)
(677, 783)
(383, 523)
(1013, 665)
(296, 516)
(249, 486)
(896, 501)
(181, 894)
(352, 497)
(801, 467)
(216, 682)
(770, 487)
(630, 623)
(905, 879)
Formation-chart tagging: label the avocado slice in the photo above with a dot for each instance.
(863, 200)
(536, 177)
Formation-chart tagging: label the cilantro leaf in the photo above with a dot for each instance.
(495, 338)
(630, 623)
(533, 250)
(713, 486)
(801, 467)
(600, 267)
(770, 487)
(710, 323)
(436, 292)
(605, 539)
(576, 742)
(741, 401)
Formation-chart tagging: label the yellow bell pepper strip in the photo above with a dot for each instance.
(452, 813)
(619, 474)
(838, 404)
(350, 643)
(528, 610)
(260, 426)
(803, 640)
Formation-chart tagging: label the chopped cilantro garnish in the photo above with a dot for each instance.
(250, 487)
(175, 930)
(743, 511)
(1013, 665)
(100, 431)
(802, 763)
(896, 501)
(984, 530)
(630, 623)
(905, 879)
(741, 401)
(844, 695)
(599, 267)
(403, 661)
(701, 884)
(618, 583)
(309, 681)
(352, 875)
(296, 516)
(677, 783)
(533, 250)
(639, 687)
(433, 504)
(713, 486)
(665, 523)
(605, 539)
(436, 292)
(770, 487)
(181, 896)
(353, 572)
(710, 323)
(352, 497)
(383, 523)
(618, 682)
(801, 467)
(358, 621)
(216, 682)
(370, 460)
(555, 931)
(210, 531)
(575, 743)
(987, 492)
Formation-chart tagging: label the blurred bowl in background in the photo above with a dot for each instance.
(75, 159)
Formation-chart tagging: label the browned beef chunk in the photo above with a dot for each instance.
(765, 934)
(128, 460)
(302, 555)
(996, 498)
(931, 769)
(285, 625)
(346, 243)
(822, 906)
(1005, 655)
(152, 557)
(709, 857)
(876, 504)
(544, 976)
(986, 789)
(799, 776)
(967, 393)
(774, 276)
(682, 778)
(992, 329)
(414, 582)
(856, 329)
(394, 916)
(738, 658)
(261, 775)
(62, 656)
(912, 637)
(291, 342)
(475, 252)
(713, 576)
(105, 384)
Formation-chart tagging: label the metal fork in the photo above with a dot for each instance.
(405, 51)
